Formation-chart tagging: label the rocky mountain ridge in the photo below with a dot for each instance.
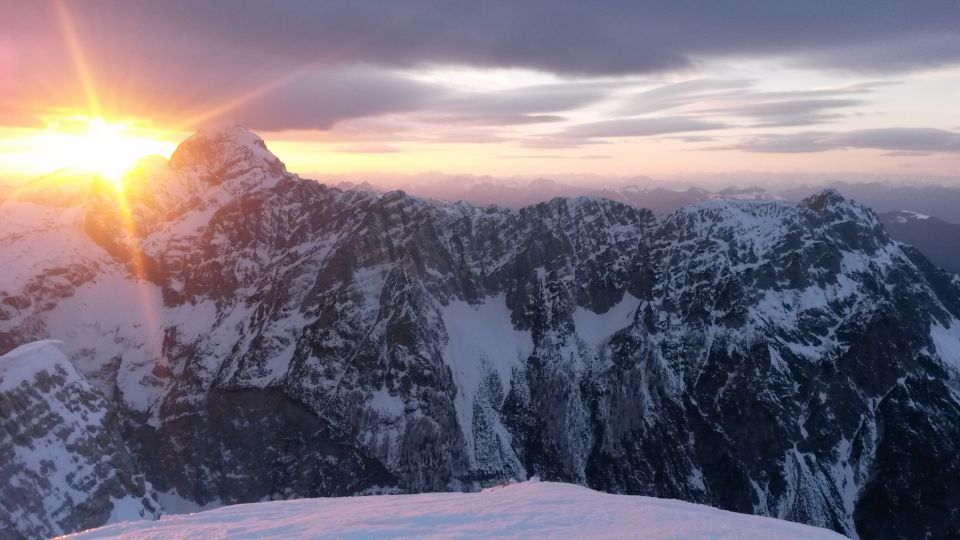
(936, 239)
(64, 465)
(263, 337)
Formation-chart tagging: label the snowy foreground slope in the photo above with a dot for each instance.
(525, 510)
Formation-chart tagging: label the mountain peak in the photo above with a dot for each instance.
(823, 199)
(225, 150)
(27, 361)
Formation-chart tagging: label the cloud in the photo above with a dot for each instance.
(321, 100)
(741, 96)
(684, 93)
(311, 64)
(906, 153)
(493, 119)
(695, 138)
(534, 104)
(563, 36)
(901, 141)
(184, 49)
(536, 99)
(904, 139)
(797, 112)
(739, 99)
(599, 132)
(792, 143)
(640, 127)
(350, 94)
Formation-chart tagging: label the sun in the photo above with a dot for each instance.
(108, 149)
(92, 145)
(103, 149)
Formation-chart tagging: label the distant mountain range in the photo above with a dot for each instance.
(483, 191)
(935, 238)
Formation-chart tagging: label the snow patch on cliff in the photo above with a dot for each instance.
(595, 328)
(947, 343)
(481, 339)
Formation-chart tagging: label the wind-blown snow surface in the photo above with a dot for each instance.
(525, 510)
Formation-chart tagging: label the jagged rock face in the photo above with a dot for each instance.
(63, 465)
(292, 339)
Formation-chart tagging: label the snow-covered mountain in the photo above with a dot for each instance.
(918, 195)
(260, 336)
(64, 465)
(936, 239)
(524, 510)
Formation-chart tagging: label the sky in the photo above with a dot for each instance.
(496, 87)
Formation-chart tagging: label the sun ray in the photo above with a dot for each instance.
(250, 95)
(105, 149)
(323, 61)
(72, 42)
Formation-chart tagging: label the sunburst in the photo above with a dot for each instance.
(96, 146)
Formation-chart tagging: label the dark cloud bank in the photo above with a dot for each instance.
(562, 36)
(339, 60)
